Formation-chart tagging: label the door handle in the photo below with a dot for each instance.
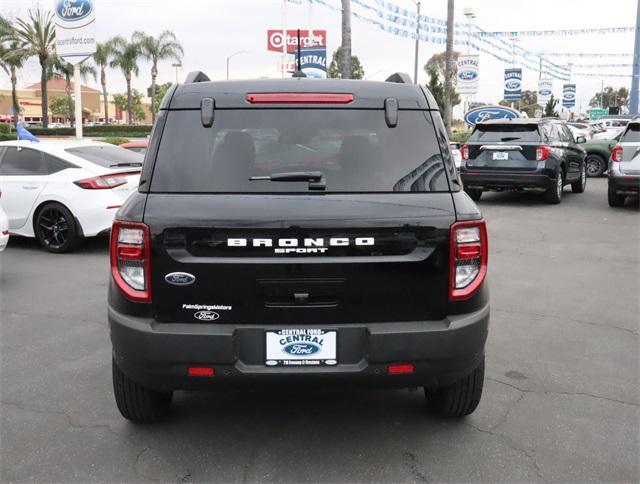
(30, 187)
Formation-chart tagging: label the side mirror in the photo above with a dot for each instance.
(581, 139)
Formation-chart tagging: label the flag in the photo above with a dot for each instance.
(23, 133)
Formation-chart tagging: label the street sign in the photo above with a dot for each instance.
(75, 29)
(597, 113)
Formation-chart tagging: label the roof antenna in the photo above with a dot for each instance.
(298, 72)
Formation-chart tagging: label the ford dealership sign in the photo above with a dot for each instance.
(545, 90)
(75, 29)
(568, 96)
(512, 84)
(484, 113)
(467, 74)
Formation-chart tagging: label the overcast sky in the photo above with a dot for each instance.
(211, 30)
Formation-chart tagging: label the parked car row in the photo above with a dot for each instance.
(543, 155)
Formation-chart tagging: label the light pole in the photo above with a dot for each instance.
(233, 55)
(415, 60)
(177, 65)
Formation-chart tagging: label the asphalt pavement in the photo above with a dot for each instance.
(561, 399)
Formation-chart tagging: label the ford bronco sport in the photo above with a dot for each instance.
(298, 232)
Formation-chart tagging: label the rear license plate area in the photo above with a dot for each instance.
(301, 347)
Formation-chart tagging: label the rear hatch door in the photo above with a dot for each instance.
(371, 244)
(503, 147)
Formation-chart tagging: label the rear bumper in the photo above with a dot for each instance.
(625, 184)
(157, 355)
(507, 180)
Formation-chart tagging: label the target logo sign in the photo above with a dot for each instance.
(308, 38)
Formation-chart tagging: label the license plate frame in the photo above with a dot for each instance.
(299, 347)
(500, 155)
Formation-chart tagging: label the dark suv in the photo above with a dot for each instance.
(523, 154)
(298, 232)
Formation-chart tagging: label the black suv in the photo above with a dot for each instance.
(298, 232)
(523, 154)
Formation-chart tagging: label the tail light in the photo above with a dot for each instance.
(542, 153)
(616, 154)
(103, 182)
(464, 152)
(130, 260)
(299, 98)
(468, 258)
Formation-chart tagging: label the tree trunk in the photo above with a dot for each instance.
(44, 99)
(154, 75)
(103, 81)
(129, 100)
(72, 114)
(346, 40)
(14, 96)
(448, 67)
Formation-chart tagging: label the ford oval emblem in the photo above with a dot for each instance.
(73, 10)
(206, 315)
(544, 92)
(301, 349)
(467, 75)
(180, 278)
(484, 113)
(512, 85)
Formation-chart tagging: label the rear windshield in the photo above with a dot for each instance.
(355, 150)
(107, 156)
(632, 135)
(497, 133)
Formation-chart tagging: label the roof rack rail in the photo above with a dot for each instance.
(196, 76)
(399, 77)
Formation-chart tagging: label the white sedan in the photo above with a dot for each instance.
(60, 191)
(4, 227)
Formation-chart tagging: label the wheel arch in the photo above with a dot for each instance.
(40, 206)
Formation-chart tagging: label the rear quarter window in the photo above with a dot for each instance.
(632, 134)
(354, 149)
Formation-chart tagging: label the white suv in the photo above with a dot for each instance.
(62, 190)
(624, 165)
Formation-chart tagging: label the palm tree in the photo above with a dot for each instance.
(12, 58)
(125, 57)
(165, 47)
(6, 29)
(102, 58)
(36, 36)
(62, 68)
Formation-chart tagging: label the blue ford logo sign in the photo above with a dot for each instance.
(570, 96)
(544, 92)
(180, 278)
(301, 349)
(206, 315)
(485, 113)
(512, 85)
(73, 10)
(468, 75)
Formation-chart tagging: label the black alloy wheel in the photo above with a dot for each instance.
(55, 228)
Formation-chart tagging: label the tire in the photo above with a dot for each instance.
(579, 185)
(56, 228)
(554, 195)
(459, 399)
(135, 402)
(474, 193)
(596, 165)
(615, 200)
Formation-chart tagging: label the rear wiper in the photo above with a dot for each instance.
(315, 178)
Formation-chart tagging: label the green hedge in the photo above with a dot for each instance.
(8, 136)
(5, 128)
(134, 130)
(115, 140)
(460, 136)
